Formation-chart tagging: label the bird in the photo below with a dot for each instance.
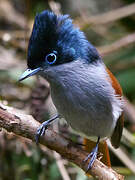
(83, 89)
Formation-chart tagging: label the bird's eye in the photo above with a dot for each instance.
(51, 58)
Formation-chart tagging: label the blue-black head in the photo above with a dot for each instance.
(55, 40)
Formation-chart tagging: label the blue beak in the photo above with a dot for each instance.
(28, 73)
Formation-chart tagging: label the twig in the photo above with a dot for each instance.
(58, 157)
(11, 15)
(123, 42)
(108, 16)
(129, 110)
(123, 65)
(14, 34)
(25, 125)
(61, 166)
(128, 138)
(55, 6)
(123, 157)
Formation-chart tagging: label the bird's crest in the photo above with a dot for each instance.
(57, 32)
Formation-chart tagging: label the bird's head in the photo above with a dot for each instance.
(55, 41)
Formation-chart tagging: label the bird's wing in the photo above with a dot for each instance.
(117, 133)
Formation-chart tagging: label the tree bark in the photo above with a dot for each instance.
(14, 120)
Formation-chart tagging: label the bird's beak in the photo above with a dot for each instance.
(28, 73)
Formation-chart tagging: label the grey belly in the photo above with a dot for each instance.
(84, 115)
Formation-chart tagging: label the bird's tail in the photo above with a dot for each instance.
(102, 148)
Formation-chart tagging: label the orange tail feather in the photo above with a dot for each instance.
(102, 148)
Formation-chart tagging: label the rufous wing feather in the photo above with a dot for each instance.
(117, 133)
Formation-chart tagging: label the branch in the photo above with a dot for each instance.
(120, 153)
(7, 8)
(108, 17)
(129, 110)
(24, 125)
(115, 46)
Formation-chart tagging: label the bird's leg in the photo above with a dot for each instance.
(42, 128)
(92, 155)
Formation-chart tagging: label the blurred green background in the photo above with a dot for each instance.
(110, 26)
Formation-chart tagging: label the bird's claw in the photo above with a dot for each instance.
(42, 128)
(88, 157)
(93, 156)
(41, 131)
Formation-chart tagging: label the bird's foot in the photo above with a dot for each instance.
(42, 128)
(41, 131)
(92, 156)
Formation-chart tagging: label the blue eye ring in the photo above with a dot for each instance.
(51, 58)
